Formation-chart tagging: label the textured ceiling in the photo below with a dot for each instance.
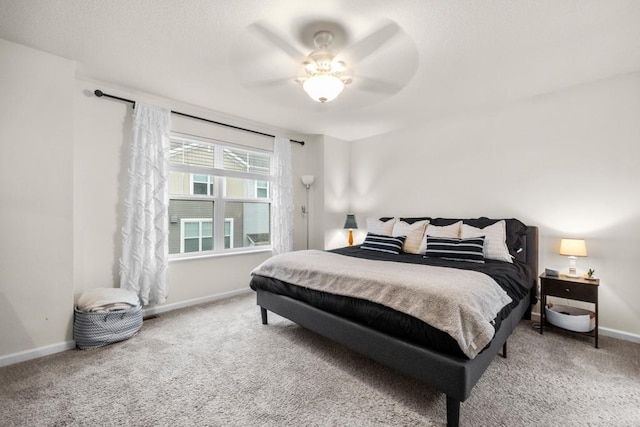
(448, 56)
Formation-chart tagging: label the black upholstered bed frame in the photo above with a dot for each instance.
(452, 375)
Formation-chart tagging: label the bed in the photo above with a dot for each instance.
(401, 340)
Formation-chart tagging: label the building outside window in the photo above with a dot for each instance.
(262, 189)
(202, 184)
(197, 234)
(220, 197)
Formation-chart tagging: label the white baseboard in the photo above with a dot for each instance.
(151, 311)
(605, 332)
(35, 353)
(614, 333)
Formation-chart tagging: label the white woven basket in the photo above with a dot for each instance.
(97, 329)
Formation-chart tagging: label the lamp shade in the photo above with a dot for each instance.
(307, 179)
(323, 87)
(351, 221)
(573, 247)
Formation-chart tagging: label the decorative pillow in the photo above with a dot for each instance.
(380, 227)
(495, 240)
(515, 230)
(455, 249)
(450, 231)
(414, 233)
(380, 243)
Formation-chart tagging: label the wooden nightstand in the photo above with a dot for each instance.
(575, 288)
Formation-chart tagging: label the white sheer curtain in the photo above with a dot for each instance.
(282, 217)
(145, 252)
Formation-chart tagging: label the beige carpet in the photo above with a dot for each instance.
(217, 365)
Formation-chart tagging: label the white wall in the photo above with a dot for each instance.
(36, 198)
(63, 168)
(566, 162)
(337, 158)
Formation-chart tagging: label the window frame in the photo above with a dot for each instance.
(209, 184)
(218, 174)
(183, 222)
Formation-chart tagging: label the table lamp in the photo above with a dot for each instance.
(573, 248)
(350, 223)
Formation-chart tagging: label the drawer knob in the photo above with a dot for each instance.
(568, 290)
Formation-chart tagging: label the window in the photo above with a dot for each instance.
(228, 233)
(202, 185)
(219, 197)
(262, 189)
(197, 235)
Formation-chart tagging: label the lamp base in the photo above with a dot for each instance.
(350, 237)
(572, 267)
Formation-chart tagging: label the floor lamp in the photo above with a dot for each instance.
(307, 180)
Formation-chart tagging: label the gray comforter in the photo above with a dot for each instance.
(461, 303)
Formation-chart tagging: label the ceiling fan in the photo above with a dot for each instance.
(367, 66)
(325, 74)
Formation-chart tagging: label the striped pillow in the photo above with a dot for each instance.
(380, 243)
(456, 249)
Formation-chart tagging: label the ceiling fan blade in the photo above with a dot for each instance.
(375, 85)
(278, 41)
(271, 83)
(366, 46)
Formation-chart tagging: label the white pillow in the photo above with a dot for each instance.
(376, 226)
(495, 240)
(414, 233)
(450, 231)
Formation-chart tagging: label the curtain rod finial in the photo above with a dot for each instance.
(98, 93)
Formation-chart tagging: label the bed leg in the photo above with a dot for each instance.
(504, 350)
(263, 312)
(453, 412)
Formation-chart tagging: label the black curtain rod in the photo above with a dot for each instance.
(100, 94)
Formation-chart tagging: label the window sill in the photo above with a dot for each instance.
(184, 257)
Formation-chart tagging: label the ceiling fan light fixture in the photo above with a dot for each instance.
(323, 87)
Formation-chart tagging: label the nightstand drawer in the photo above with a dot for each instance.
(576, 291)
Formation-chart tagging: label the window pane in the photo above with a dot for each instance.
(191, 245)
(251, 223)
(186, 184)
(260, 163)
(207, 229)
(179, 183)
(200, 188)
(191, 229)
(244, 161)
(186, 152)
(188, 222)
(240, 188)
(207, 244)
